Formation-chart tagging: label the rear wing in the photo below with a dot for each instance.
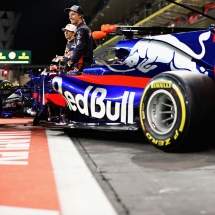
(129, 31)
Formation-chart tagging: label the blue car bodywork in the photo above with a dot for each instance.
(111, 93)
(151, 89)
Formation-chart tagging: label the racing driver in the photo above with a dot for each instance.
(69, 32)
(85, 44)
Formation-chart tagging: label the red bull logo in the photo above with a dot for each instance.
(165, 51)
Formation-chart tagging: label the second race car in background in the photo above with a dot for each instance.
(35, 98)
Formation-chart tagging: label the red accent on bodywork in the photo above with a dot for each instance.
(34, 95)
(56, 99)
(115, 80)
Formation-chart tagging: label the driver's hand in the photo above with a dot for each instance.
(61, 61)
(68, 66)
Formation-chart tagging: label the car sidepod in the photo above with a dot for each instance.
(107, 99)
(177, 111)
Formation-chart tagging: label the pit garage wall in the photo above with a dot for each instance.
(8, 25)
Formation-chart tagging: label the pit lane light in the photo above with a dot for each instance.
(4, 73)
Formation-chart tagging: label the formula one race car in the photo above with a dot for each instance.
(165, 85)
(35, 98)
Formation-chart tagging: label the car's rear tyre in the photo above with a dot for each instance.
(5, 88)
(177, 111)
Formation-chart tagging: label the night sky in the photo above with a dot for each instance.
(40, 27)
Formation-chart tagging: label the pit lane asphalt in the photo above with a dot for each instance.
(139, 179)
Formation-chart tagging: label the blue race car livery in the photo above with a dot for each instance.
(164, 86)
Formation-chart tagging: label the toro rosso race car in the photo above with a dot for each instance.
(35, 98)
(164, 86)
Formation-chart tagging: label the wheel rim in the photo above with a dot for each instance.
(161, 112)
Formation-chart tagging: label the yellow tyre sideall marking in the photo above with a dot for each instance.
(183, 109)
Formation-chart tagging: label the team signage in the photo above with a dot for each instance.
(15, 57)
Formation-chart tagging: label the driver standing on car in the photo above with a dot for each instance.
(69, 32)
(85, 44)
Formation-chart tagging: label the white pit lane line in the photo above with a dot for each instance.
(6, 210)
(78, 191)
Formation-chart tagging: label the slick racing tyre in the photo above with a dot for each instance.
(177, 110)
(5, 88)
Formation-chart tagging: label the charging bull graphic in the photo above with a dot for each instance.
(167, 50)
